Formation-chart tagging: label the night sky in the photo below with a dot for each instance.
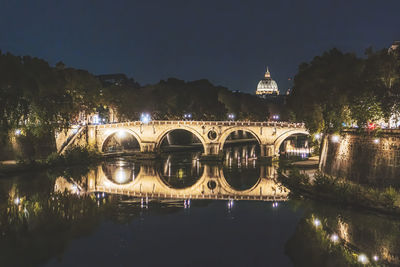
(228, 42)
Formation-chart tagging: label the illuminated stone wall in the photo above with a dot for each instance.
(364, 158)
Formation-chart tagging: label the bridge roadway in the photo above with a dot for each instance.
(212, 134)
(148, 183)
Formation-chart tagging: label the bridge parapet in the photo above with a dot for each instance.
(207, 123)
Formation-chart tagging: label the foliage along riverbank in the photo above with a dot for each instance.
(76, 156)
(342, 192)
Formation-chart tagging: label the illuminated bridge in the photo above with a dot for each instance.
(211, 135)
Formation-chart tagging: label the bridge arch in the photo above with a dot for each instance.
(230, 189)
(282, 137)
(115, 132)
(164, 133)
(227, 132)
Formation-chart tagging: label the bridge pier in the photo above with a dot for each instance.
(267, 153)
(211, 152)
(148, 150)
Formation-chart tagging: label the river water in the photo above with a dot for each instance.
(178, 211)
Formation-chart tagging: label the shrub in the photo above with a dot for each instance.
(389, 197)
(73, 155)
(54, 159)
(323, 182)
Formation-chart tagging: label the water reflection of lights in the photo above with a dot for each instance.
(180, 173)
(75, 189)
(17, 200)
(334, 238)
(299, 150)
(186, 203)
(144, 203)
(362, 258)
(275, 204)
(230, 204)
(317, 222)
(122, 175)
(343, 230)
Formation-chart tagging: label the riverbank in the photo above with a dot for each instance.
(342, 192)
(73, 157)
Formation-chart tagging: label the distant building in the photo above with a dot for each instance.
(267, 87)
(394, 47)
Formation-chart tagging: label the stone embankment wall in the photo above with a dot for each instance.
(363, 157)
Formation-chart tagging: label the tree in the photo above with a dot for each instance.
(323, 89)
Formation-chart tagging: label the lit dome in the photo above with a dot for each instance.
(267, 86)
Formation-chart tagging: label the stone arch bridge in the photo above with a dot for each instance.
(212, 134)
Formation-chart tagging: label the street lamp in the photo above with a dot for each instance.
(187, 116)
(335, 138)
(231, 116)
(145, 118)
(275, 117)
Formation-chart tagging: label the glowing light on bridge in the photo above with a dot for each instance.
(96, 119)
(231, 116)
(375, 258)
(275, 117)
(121, 133)
(18, 132)
(17, 200)
(376, 141)
(317, 136)
(145, 118)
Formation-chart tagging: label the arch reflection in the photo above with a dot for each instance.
(121, 171)
(240, 168)
(177, 172)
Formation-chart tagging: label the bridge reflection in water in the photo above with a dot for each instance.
(177, 178)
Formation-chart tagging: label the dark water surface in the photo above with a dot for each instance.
(181, 212)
